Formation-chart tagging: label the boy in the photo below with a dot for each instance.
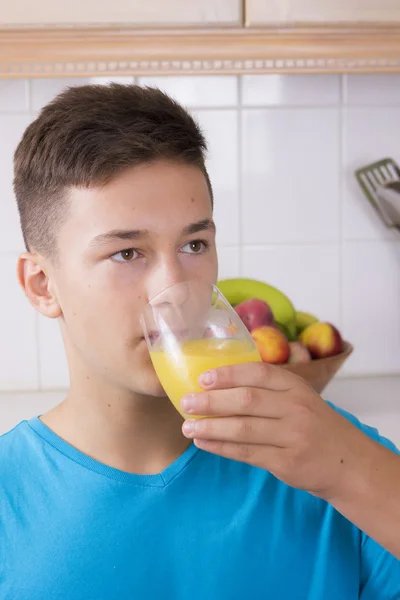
(109, 495)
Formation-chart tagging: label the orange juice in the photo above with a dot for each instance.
(180, 376)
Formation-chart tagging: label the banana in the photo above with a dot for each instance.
(238, 290)
(284, 329)
(303, 320)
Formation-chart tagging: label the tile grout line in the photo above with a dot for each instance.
(240, 171)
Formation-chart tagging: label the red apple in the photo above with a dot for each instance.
(272, 345)
(322, 340)
(298, 353)
(255, 313)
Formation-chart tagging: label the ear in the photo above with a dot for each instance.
(37, 286)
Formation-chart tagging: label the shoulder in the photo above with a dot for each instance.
(372, 432)
(14, 446)
(8, 438)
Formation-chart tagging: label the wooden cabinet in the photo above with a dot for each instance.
(141, 13)
(85, 38)
(321, 12)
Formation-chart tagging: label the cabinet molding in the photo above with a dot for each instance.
(109, 51)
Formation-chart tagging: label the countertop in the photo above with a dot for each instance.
(374, 400)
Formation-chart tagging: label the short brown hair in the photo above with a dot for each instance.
(84, 137)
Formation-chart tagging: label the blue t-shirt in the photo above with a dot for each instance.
(206, 528)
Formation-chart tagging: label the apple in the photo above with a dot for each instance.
(272, 344)
(254, 313)
(322, 339)
(298, 353)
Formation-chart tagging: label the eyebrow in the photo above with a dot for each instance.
(205, 224)
(119, 234)
(134, 234)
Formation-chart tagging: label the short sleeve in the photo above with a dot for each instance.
(380, 570)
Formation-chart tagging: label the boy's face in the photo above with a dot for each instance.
(120, 245)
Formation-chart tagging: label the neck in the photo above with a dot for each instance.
(127, 431)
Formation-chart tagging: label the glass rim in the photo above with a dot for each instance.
(213, 286)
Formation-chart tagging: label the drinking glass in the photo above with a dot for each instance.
(191, 328)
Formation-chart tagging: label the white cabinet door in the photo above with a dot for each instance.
(291, 12)
(150, 13)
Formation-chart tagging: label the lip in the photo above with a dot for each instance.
(153, 336)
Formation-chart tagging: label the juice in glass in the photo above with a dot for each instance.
(179, 375)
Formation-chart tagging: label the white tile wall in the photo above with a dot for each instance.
(18, 332)
(290, 187)
(371, 314)
(228, 261)
(53, 370)
(14, 95)
(369, 133)
(283, 150)
(291, 90)
(222, 134)
(200, 91)
(380, 90)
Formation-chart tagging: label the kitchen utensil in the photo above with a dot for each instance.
(380, 182)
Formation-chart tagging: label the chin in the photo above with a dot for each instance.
(139, 374)
(155, 390)
(146, 381)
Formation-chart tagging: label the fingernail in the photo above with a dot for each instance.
(188, 403)
(209, 377)
(188, 426)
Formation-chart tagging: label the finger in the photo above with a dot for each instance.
(252, 374)
(257, 455)
(247, 430)
(249, 401)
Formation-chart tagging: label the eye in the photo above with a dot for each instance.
(195, 247)
(127, 255)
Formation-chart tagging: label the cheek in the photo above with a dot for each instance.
(121, 276)
(98, 306)
(204, 266)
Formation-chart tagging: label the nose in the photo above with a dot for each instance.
(168, 272)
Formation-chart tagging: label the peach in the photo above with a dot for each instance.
(298, 353)
(272, 344)
(254, 313)
(322, 339)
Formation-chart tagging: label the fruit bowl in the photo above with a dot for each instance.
(319, 372)
(295, 340)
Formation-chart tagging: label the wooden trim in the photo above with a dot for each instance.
(93, 51)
